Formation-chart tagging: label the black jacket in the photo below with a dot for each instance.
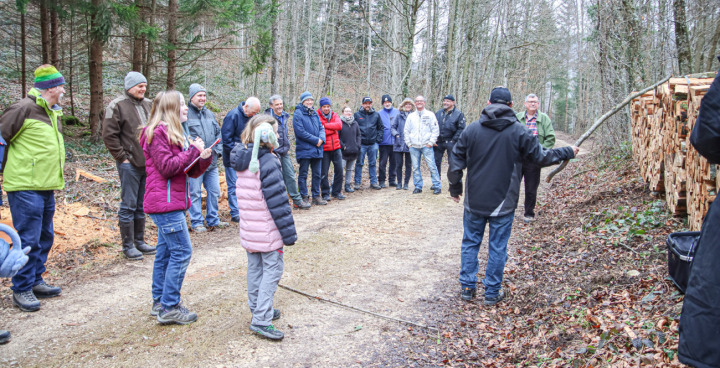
(273, 187)
(350, 140)
(493, 149)
(371, 126)
(398, 131)
(451, 125)
(700, 318)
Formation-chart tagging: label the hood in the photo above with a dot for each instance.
(304, 109)
(241, 160)
(498, 116)
(362, 111)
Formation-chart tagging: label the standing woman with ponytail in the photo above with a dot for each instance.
(167, 196)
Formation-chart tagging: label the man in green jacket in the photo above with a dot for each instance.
(541, 127)
(33, 171)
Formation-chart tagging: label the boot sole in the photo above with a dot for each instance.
(269, 337)
(47, 296)
(134, 258)
(172, 321)
(25, 309)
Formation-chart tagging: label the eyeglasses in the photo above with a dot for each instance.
(533, 102)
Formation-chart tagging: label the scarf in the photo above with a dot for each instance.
(349, 120)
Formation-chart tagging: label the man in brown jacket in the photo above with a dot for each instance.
(123, 118)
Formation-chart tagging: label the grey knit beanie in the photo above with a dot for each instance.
(305, 95)
(195, 88)
(132, 79)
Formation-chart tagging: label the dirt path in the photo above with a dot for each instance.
(386, 251)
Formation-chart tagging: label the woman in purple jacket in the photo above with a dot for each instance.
(167, 196)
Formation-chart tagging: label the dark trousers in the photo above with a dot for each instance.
(531, 173)
(399, 158)
(32, 214)
(314, 164)
(132, 191)
(439, 150)
(336, 158)
(386, 154)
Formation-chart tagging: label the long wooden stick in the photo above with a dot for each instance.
(601, 120)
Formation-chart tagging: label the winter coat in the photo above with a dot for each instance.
(36, 149)
(233, 125)
(124, 117)
(388, 118)
(451, 125)
(350, 139)
(266, 221)
(546, 133)
(398, 131)
(419, 132)
(308, 130)
(166, 186)
(493, 149)
(332, 130)
(283, 135)
(201, 123)
(700, 318)
(371, 126)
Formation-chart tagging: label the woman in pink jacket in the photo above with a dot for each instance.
(266, 221)
(168, 153)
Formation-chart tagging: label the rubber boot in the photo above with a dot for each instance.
(140, 237)
(126, 232)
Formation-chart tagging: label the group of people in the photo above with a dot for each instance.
(166, 150)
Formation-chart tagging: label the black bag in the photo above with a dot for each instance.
(681, 250)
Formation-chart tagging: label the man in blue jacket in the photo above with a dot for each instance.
(232, 127)
(309, 139)
(371, 132)
(201, 123)
(492, 150)
(388, 115)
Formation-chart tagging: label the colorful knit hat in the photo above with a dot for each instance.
(263, 133)
(46, 76)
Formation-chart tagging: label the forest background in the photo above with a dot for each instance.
(580, 56)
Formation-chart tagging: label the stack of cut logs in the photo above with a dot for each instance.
(662, 120)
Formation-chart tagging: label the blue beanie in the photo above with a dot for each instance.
(305, 95)
(325, 101)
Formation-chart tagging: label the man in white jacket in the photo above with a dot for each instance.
(421, 132)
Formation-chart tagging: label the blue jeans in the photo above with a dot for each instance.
(210, 180)
(315, 164)
(427, 153)
(371, 151)
(289, 178)
(172, 257)
(474, 227)
(230, 179)
(32, 214)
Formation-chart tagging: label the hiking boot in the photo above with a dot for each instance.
(528, 219)
(468, 294)
(436, 191)
(26, 301)
(267, 331)
(199, 229)
(375, 186)
(393, 184)
(140, 237)
(383, 185)
(302, 205)
(319, 201)
(339, 196)
(276, 314)
(349, 189)
(4, 337)
(358, 186)
(399, 187)
(43, 290)
(177, 314)
(495, 300)
(127, 234)
(156, 307)
(417, 190)
(326, 198)
(220, 225)
(405, 187)
(235, 219)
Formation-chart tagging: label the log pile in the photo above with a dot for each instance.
(662, 120)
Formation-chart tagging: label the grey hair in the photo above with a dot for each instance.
(252, 101)
(274, 98)
(532, 95)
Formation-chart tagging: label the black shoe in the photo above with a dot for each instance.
(302, 205)
(319, 201)
(437, 191)
(417, 190)
(349, 189)
(393, 184)
(235, 219)
(382, 185)
(139, 236)
(276, 314)
(468, 294)
(375, 186)
(267, 331)
(43, 290)
(339, 196)
(326, 198)
(495, 300)
(4, 337)
(26, 301)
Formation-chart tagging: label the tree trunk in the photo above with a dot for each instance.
(369, 45)
(713, 48)
(23, 48)
(293, 55)
(147, 65)
(274, 59)
(70, 62)
(450, 46)
(332, 63)
(172, 43)
(137, 56)
(308, 42)
(681, 38)
(95, 72)
(54, 35)
(44, 32)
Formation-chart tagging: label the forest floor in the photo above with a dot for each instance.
(586, 284)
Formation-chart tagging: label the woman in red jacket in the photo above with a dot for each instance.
(331, 151)
(168, 153)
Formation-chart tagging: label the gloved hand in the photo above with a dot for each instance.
(11, 260)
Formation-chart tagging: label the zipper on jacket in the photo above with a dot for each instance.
(168, 190)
